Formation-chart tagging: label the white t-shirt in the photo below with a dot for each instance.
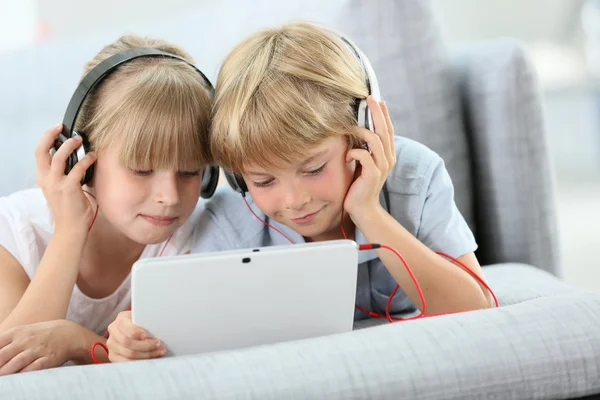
(26, 226)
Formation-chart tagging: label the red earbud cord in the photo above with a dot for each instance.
(372, 246)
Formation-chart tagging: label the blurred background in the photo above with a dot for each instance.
(562, 38)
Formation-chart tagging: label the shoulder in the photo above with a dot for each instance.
(26, 225)
(27, 207)
(29, 201)
(414, 169)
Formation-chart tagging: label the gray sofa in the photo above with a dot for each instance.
(479, 108)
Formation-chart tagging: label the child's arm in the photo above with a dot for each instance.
(45, 345)
(445, 287)
(48, 294)
(13, 283)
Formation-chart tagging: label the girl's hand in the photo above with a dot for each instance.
(38, 346)
(128, 342)
(374, 164)
(69, 205)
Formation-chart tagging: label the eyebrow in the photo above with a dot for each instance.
(314, 157)
(302, 164)
(257, 173)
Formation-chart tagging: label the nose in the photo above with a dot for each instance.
(295, 195)
(166, 188)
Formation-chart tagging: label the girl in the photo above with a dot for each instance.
(66, 250)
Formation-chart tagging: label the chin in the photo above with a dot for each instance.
(308, 231)
(149, 236)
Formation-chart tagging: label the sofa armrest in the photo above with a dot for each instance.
(513, 183)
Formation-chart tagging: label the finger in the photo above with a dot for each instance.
(381, 126)
(378, 117)
(78, 171)
(37, 365)
(388, 119)
(5, 340)
(18, 362)
(59, 161)
(125, 325)
(369, 169)
(7, 353)
(124, 340)
(42, 150)
(117, 349)
(376, 148)
(390, 127)
(114, 357)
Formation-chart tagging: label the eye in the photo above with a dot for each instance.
(263, 183)
(316, 171)
(189, 173)
(142, 172)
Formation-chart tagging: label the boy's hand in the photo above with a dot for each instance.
(375, 164)
(128, 342)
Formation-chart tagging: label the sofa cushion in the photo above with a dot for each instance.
(542, 348)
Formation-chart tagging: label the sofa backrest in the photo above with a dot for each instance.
(400, 37)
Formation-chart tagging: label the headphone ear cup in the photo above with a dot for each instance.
(241, 183)
(75, 156)
(210, 180)
(78, 155)
(236, 182)
(363, 115)
(369, 123)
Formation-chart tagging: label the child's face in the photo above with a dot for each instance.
(306, 196)
(146, 206)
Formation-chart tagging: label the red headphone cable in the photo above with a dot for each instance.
(373, 246)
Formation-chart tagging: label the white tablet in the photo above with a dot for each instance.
(241, 298)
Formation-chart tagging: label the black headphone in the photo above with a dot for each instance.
(210, 176)
(363, 114)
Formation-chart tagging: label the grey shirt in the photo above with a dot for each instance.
(418, 193)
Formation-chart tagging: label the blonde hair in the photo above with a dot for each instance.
(281, 90)
(156, 108)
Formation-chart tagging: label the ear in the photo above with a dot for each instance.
(357, 170)
(92, 182)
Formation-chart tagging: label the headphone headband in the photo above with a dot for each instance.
(363, 114)
(371, 78)
(210, 176)
(99, 72)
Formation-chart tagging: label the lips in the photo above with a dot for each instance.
(306, 218)
(159, 220)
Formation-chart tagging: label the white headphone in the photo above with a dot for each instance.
(364, 117)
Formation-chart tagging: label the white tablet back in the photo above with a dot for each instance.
(226, 300)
